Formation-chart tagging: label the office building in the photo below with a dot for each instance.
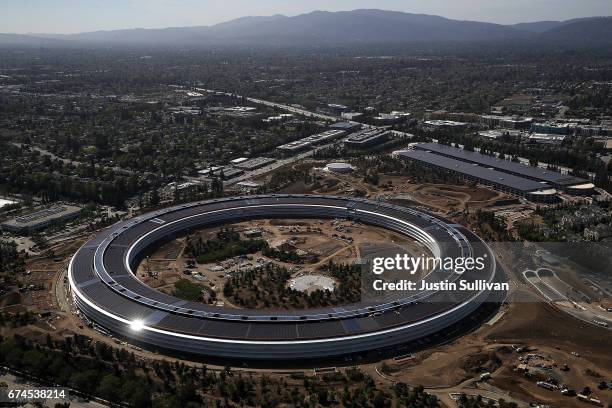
(41, 219)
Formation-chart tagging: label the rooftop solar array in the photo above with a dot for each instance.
(363, 136)
(110, 296)
(552, 177)
(474, 170)
(122, 294)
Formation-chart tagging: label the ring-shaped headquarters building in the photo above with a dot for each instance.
(105, 288)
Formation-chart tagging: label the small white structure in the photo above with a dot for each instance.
(239, 160)
(310, 283)
(339, 168)
(4, 202)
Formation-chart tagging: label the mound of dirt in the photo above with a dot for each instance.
(481, 362)
(504, 350)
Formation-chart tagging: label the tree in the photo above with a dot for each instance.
(109, 387)
(154, 198)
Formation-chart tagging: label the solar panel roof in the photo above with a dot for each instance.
(551, 177)
(474, 170)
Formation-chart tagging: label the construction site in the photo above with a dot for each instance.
(496, 360)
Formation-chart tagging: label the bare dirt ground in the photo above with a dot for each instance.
(458, 198)
(439, 197)
(456, 367)
(340, 241)
(38, 281)
(448, 368)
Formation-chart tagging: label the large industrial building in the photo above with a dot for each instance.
(41, 219)
(499, 133)
(551, 128)
(546, 138)
(337, 108)
(105, 288)
(437, 124)
(346, 126)
(254, 163)
(297, 146)
(366, 138)
(551, 179)
(510, 122)
(504, 182)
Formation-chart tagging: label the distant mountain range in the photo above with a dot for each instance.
(337, 28)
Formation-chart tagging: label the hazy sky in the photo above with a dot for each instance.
(68, 16)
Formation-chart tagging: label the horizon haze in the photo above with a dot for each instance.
(70, 16)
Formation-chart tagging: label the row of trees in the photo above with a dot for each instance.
(29, 173)
(64, 364)
(17, 319)
(226, 245)
(117, 376)
(11, 260)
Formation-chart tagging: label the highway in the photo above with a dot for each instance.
(298, 111)
(292, 109)
(283, 162)
(307, 113)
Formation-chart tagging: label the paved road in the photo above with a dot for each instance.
(258, 172)
(446, 395)
(290, 108)
(554, 290)
(470, 386)
(280, 163)
(60, 289)
(266, 169)
(601, 288)
(304, 112)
